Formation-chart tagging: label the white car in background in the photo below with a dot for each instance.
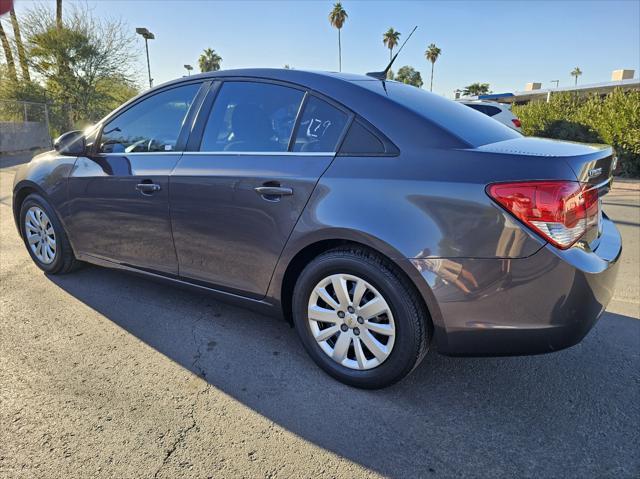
(497, 111)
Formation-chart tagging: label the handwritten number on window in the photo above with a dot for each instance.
(317, 128)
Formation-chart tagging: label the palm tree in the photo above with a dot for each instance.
(390, 40)
(209, 61)
(21, 53)
(476, 89)
(432, 53)
(59, 14)
(337, 17)
(7, 53)
(576, 73)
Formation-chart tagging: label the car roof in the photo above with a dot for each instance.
(303, 77)
(483, 102)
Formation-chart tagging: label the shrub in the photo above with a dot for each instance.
(613, 119)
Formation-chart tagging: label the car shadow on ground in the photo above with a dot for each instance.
(513, 416)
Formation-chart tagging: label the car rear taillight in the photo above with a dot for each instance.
(517, 122)
(559, 211)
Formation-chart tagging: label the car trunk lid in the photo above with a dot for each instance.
(593, 166)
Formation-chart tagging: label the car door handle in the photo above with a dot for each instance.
(274, 190)
(147, 188)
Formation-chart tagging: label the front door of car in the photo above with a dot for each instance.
(119, 193)
(235, 198)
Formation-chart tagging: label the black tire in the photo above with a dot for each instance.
(64, 259)
(410, 317)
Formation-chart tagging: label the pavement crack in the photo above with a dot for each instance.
(182, 434)
(195, 365)
(179, 440)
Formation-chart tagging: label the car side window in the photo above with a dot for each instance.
(251, 117)
(321, 126)
(492, 110)
(361, 141)
(151, 125)
(486, 109)
(479, 108)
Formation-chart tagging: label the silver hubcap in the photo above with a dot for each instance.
(351, 321)
(40, 235)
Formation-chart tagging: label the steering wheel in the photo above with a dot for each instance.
(139, 146)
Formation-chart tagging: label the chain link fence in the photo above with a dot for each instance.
(24, 125)
(24, 111)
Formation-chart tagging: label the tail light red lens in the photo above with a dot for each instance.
(559, 211)
(517, 122)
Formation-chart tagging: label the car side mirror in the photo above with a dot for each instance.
(71, 143)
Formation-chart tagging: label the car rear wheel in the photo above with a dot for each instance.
(44, 237)
(359, 319)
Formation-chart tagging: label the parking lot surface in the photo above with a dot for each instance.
(104, 374)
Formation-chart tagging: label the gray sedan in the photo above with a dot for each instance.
(377, 218)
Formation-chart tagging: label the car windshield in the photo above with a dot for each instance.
(471, 126)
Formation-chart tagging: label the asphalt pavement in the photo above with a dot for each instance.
(105, 374)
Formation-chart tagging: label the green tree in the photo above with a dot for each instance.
(390, 39)
(110, 92)
(476, 89)
(13, 89)
(410, 76)
(74, 60)
(209, 61)
(337, 17)
(431, 54)
(576, 72)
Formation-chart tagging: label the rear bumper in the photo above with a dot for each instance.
(543, 303)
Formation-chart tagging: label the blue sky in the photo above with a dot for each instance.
(503, 43)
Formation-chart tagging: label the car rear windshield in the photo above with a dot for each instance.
(469, 125)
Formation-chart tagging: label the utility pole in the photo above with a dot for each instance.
(147, 35)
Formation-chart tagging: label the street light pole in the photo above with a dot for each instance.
(147, 35)
(146, 47)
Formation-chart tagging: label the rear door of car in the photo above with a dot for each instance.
(119, 195)
(254, 156)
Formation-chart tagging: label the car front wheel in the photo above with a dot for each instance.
(359, 319)
(44, 237)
